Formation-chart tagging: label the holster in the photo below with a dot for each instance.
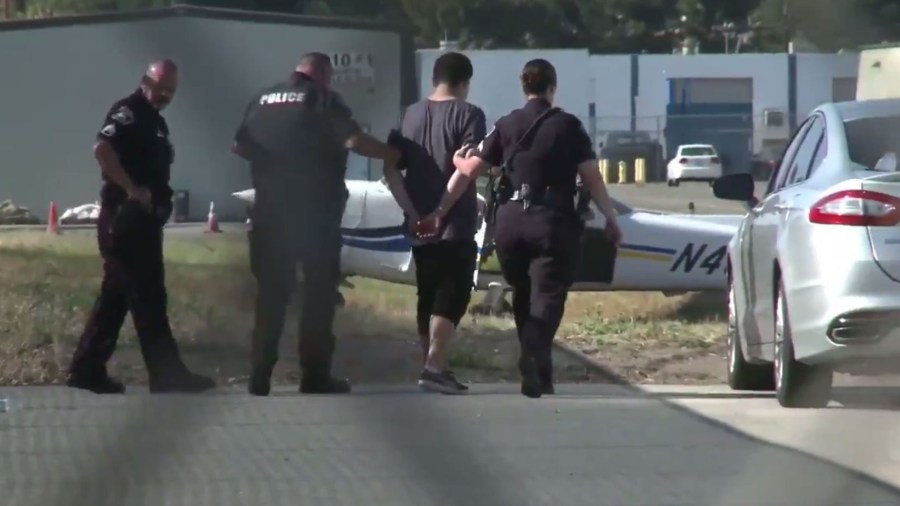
(500, 190)
(583, 202)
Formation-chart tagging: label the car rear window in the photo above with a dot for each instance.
(697, 152)
(869, 139)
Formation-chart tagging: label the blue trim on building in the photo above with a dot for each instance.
(671, 92)
(792, 92)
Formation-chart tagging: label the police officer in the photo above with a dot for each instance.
(134, 154)
(296, 134)
(538, 227)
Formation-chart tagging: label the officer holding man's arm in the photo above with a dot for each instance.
(538, 228)
(296, 135)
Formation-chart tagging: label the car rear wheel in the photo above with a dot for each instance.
(797, 385)
(743, 375)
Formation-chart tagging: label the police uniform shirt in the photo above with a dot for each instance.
(550, 158)
(139, 136)
(297, 128)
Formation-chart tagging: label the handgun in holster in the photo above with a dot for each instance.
(500, 190)
(583, 201)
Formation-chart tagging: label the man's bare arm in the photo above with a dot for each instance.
(394, 181)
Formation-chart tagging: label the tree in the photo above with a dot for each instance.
(843, 24)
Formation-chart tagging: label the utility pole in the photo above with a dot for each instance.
(785, 24)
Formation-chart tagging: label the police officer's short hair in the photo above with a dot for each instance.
(452, 69)
(538, 77)
(315, 60)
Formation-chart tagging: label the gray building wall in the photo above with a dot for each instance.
(59, 81)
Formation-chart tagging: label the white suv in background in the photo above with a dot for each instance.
(694, 162)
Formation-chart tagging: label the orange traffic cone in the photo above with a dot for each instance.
(53, 219)
(212, 223)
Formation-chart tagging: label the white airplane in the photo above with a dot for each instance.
(671, 253)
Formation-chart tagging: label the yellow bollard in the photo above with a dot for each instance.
(604, 169)
(640, 172)
(623, 172)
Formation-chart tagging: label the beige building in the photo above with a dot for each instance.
(879, 72)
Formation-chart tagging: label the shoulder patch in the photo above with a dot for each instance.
(109, 130)
(123, 116)
(491, 131)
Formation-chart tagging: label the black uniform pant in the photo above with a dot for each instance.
(133, 280)
(276, 249)
(537, 249)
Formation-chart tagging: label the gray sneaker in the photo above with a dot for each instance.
(445, 383)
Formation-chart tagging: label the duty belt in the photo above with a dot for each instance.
(546, 196)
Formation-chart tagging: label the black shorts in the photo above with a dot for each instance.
(444, 275)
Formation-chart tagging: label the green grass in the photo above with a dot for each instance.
(50, 283)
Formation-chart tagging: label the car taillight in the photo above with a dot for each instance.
(859, 208)
(682, 161)
(714, 159)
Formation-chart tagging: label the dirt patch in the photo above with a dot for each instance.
(650, 338)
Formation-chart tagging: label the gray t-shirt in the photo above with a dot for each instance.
(437, 129)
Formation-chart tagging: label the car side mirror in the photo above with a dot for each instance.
(735, 187)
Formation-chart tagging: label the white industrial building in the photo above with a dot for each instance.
(746, 103)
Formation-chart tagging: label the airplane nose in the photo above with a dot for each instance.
(246, 195)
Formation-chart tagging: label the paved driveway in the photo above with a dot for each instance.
(593, 445)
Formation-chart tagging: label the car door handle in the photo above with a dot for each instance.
(782, 207)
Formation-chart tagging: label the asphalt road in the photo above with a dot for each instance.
(592, 445)
(658, 196)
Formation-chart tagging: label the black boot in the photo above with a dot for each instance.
(545, 373)
(324, 384)
(98, 383)
(180, 380)
(260, 381)
(531, 381)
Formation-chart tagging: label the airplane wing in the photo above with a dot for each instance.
(662, 252)
(732, 220)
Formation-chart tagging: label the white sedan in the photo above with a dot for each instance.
(694, 162)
